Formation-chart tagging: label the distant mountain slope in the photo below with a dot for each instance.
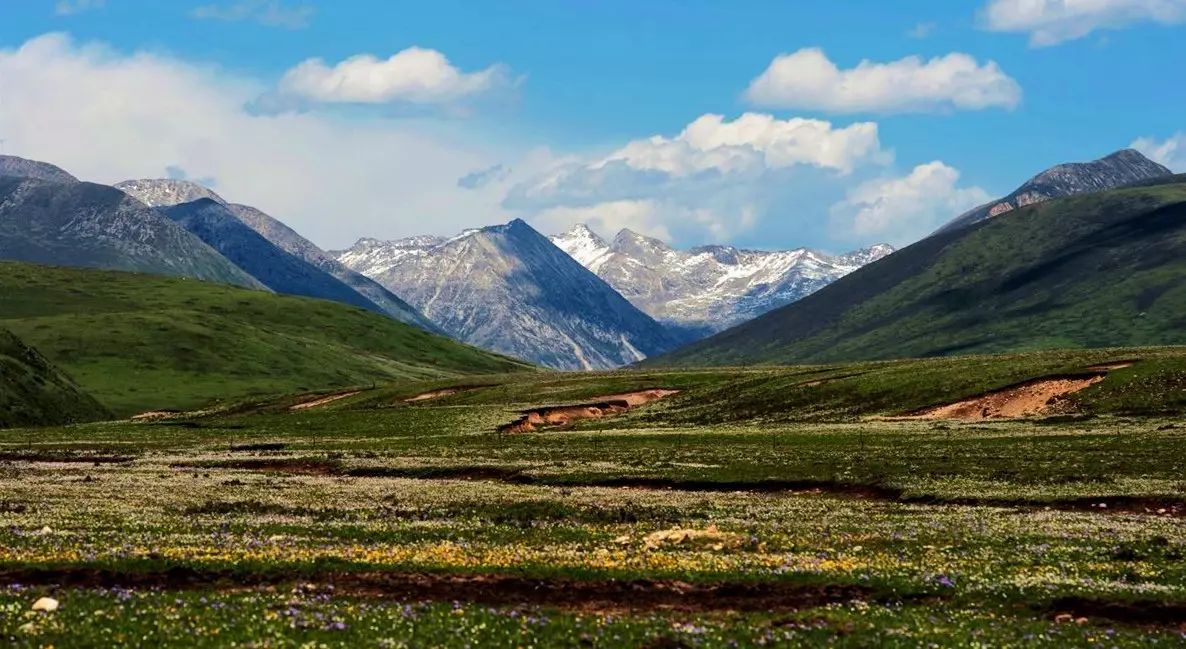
(35, 393)
(710, 288)
(507, 288)
(20, 167)
(288, 240)
(1097, 270)
(214, 223)
(164, 192)
(1124, 167)
(144, 342)
(84, 224)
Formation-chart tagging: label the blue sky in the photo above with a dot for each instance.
(550, 94)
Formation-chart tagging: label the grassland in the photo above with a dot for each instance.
(143, 342)
(739, 512)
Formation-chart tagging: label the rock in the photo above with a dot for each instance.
(47, 604)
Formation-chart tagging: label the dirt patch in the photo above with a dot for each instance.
(556, 416)
(594, 595)
(321, 401)
(1033, 398)
(1146, 612)
(443, 392)
(1113, 365)
(156, 415)
(260, 447)
(63, 458)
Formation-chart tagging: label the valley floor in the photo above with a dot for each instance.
(738, 511)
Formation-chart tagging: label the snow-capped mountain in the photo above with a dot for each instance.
(1118, 169)
(11, 165)
(710, 288)
(508, 289)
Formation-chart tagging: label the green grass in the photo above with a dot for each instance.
(257, 524)
(34, 393)
(1099, 270)
(140, 342)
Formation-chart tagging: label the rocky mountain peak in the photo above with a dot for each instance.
(164, 192)
(11, 165)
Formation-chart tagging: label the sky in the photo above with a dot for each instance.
(778, 124)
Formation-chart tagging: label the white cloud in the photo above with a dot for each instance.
(714, 179)
(271, 13)
(1170, 152)
(807, 79)
(415, 75)
(900, 210)
(71, 7)
(108, 116)
(1049, 22)
(483, 177)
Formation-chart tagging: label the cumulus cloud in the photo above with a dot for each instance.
(415, 75)
(1170, 152)
(900, 210)
(71, 7)
(330, 178)
(1050, 22)
(483, 177)
(270, 13)
(807, 79)
(715, 178)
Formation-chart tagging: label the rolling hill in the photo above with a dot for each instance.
(35, 393)
(1095, 270)
(143, 342)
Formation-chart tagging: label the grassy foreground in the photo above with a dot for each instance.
(738, 512)
(144, 342)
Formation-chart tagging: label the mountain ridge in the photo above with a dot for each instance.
(707, 288)
(508, 288)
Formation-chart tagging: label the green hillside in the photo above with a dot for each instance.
(34, 393)
(142, 342)
(1098, 270)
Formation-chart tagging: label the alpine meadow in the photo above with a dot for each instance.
(653, 325)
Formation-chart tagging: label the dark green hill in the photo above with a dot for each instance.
(1097, 270)
(142, 342)
(34, 393)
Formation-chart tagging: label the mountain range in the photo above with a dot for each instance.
(1098, 269)
(710, 288)
(271, 251)
(509, 289)
(72, 223)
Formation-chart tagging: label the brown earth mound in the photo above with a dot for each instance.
(444, 392)
(602, 407)
(1037, 397)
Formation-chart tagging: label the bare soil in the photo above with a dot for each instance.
(555, 416)
(321, 401)
(1044, 396)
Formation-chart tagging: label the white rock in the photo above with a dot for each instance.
(47, 604)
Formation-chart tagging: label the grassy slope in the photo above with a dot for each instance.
(1100, 270)
(140, 342)
(34, 393)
